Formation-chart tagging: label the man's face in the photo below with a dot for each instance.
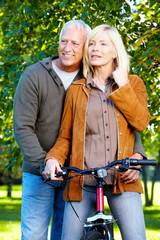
(71, 49)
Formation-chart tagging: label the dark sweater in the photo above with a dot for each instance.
(38, 106)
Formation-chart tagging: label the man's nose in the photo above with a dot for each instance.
(68, 46)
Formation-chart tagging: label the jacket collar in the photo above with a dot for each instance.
(82, 81)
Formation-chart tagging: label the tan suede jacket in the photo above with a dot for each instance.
(132, 114)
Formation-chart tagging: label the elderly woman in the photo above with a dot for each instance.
(101, 113)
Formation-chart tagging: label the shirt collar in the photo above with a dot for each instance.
(90, 83)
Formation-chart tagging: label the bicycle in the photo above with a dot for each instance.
(100, 226)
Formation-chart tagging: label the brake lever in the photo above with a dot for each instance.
(46, 180)
(124, 169)
(136, 168)
(60, 174)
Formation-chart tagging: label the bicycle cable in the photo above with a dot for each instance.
(70, 200)
(70, 179)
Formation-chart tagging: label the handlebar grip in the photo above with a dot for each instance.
(135, 162)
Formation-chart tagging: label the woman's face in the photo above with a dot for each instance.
(101, 51)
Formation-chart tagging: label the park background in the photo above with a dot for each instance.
(29, 32)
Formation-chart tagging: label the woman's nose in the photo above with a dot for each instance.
(95, 47)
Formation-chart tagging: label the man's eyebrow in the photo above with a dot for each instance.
(75, 41)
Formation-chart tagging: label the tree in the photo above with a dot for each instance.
(150, 141)
(146, 61)
(29, 32)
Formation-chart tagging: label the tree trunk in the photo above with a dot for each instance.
(144, 176)
(149, 201)
(9, 182)
(153, 181)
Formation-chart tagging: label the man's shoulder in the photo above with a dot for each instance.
(36, 72)
(42, 64)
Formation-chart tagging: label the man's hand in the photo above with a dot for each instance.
(131, 176)
(51, 169)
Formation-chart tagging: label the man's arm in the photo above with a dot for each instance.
(24, 119)
(138, 147)
(132, 176)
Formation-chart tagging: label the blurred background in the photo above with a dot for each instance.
(29, 32)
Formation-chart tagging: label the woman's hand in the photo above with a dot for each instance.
(51, 169)
(120, 76)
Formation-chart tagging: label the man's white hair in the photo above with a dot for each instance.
(79, 24)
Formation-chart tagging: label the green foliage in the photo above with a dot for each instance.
(29, 31)
(146, 62)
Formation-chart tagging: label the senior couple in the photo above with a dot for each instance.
(103, 110)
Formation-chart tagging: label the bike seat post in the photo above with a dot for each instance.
(100, 196)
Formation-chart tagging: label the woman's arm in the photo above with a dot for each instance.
(131, 100)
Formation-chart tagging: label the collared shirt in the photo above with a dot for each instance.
(101, 130)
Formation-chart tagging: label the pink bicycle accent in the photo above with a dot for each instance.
(100, 200)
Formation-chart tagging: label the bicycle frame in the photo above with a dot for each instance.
(101, 222)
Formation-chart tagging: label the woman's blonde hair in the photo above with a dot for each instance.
(122, 58)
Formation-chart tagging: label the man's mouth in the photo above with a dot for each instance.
(67, 55)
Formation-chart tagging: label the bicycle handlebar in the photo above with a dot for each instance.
(135, 162)
(125, 165)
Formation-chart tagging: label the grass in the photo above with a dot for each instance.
(10, 215)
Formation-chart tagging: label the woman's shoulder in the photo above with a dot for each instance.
(82, 81)
(76, 86)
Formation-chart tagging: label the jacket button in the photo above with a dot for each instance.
(120, 152)
(120, 133)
